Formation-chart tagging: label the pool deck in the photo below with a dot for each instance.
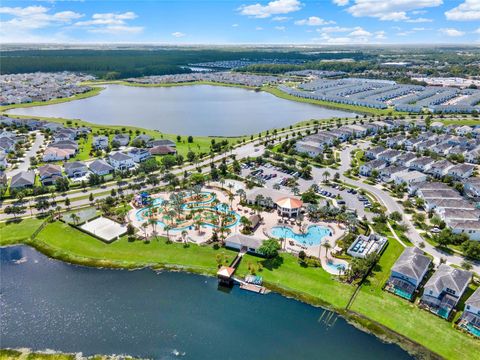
(270, 219)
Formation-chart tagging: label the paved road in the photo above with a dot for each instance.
(392, 205)
(249, 149)
(25, 164)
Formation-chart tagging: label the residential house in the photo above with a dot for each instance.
(100, 167)
(121, 161)
(440, 168)
(408, 177)
(471, 315)
(3, 160)
(139, 155)
(373, 153)
(472, 187)
(49, 174)
(75, 169)
(53, 153)
(405, 159)
(23, 179)
(389, 156)
(367, 168)
(121, 139)
(408, 272)
(100, 142)
(141, 140)
(162, 150)
(469, 227)
(386, 174)
(7, 145)
(461, 171)
(161, 142)
(422, 164)
(444, 289)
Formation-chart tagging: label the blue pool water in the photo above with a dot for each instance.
(141, 214)
(313, 237)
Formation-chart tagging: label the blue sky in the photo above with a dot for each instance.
(242, 22)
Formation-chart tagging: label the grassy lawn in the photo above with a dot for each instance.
(314, 284)
(283, 274)
(468, 122)
(70, 244)
(18, 231)
(407, 319)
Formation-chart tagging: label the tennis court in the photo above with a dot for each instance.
(104, 228)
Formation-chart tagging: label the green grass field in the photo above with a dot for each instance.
(18, 231)
(284, 274)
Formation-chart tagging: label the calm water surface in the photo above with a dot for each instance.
(187, 110)
(49, 304)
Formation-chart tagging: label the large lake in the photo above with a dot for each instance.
(49, 304)
(187, 110)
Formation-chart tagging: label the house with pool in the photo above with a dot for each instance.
(408, 272)
(443, 290)
(470, 320)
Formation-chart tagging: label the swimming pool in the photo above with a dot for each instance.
(197, 206)
(312, 237)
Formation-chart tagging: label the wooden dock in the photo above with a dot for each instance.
(254, 288)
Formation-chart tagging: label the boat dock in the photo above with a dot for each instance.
(226, 278)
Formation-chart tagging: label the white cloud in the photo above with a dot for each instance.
(19, 23)
(341, 2)
(280, 28)
(452, 32)
(356, 35)
(313, 21)
(477, 31)
(178, 34)
(235, 25)
(391, 10)
(111, 23)
(280, 18)
(259, 28)
(420, 20)
(272, 8)
(466, 11)
(360, 32)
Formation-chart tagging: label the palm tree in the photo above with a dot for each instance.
(75, 218)
(167, 229)
(242, 194)
(144, 227)
(231, 197)
(326, 176)
(153, 222)
(327, 246)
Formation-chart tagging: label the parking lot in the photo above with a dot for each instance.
(268, 175)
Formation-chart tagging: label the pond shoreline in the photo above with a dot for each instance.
(359, 321)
